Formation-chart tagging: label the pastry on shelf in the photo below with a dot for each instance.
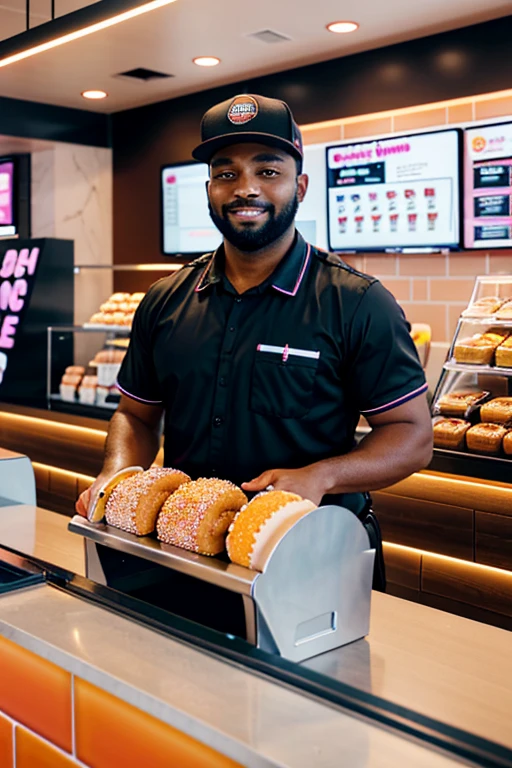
(478, 349)
(505, 311)
(457, 403)
(69, 385)
(498, 410)
(117, 310)
(507, 443)
(261, 524)
(487, 305)
(504, 354)
(87, 390)
(485, 438)
(197, 516)
(450, 433)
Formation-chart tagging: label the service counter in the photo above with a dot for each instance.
(93, 682)
(448, 537)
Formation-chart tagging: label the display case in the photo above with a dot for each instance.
(472, 403)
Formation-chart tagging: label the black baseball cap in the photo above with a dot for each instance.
(249, 118)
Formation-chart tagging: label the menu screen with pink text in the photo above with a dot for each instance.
(488, 179)
(397, 193)
(6, 197)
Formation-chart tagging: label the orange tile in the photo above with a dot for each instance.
(451, 290)
(33, 752)
(500, 263)
(466, 264)
(63, 483)
(498, 107)
(433, 314)
(425, 118)
(380, 265)
(422, 266)
(320, 135)
(460, 113)
(372, 127)
(419, 289)
(5, 742)
(36, 693)
(113, 734)
(400, 287)
(356, 262)
(454, 311)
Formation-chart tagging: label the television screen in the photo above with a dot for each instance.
(399, 193)
(186, 225)
(7, 214)
(488, 184)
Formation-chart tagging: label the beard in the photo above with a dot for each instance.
(252, 237)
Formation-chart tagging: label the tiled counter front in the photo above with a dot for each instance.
(53, 719)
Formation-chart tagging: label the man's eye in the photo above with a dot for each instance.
(224, 175)
(269, 173)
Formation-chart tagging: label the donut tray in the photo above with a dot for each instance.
(313, 596)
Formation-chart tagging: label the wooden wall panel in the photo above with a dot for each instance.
(493, 540)
(441, 528)
(403, 567)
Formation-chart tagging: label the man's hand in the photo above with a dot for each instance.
(84, 500)
(306, 482)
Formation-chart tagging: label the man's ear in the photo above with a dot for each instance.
(302, 186)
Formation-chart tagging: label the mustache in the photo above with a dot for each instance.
(239, 205)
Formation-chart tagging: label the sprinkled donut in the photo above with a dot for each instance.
(198, 515)
(261, 524)
(133, 505)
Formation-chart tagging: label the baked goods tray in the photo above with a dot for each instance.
(451, 365)
(106, 327)
(210, 569)
(493, 468)
(501, 322)
(313, 595)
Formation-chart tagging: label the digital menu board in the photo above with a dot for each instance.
(488, 184)
(397, 193)
(187, 228)
(7, 223)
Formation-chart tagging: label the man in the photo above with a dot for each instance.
(263, 355)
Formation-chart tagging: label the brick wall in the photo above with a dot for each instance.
(432, 289)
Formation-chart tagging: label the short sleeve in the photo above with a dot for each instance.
(385, 370)
(137, 377)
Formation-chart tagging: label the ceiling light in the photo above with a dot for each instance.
(342, 27)
(206, 61)
(94, 94)
(67, 38)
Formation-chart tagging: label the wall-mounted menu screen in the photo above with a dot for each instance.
(488, 180)
(7, 204)
(399, 193)
(186, 225)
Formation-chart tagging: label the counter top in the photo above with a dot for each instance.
(440, 665)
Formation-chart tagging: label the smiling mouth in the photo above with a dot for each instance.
(247, 213)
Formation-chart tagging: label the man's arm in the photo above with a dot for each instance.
(133, 439)
(399, 444)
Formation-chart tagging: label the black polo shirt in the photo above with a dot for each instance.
(275, 377)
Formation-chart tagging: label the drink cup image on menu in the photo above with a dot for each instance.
(393, 222)
(410, 196)
(341, 209)
(376, 222)
(412, 220)
(3, 365)
(430, 197)
(342, 224)
(431, 221)
(359, 223)
(392, 201)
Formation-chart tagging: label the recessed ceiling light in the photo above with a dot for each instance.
(94, 94)
(342, 27)
(206, 61)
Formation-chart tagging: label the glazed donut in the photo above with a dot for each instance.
(136, 297)
(261, 524)
(97, 318)
(117, 297)
(198, 515)
(134, 502)
(108, 306)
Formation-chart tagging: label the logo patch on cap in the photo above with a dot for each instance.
(242, 109)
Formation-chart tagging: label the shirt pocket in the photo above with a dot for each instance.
(283, 380)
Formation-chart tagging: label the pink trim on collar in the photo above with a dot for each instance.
(299, 279)
(199, 286)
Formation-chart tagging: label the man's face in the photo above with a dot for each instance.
(253, 194)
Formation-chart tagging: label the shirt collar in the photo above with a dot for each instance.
(286, 278)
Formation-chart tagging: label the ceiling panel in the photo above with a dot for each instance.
(167, 39)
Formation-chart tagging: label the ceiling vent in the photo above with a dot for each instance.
(269, 36)
(143, 74)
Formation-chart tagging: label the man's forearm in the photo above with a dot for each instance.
(388, 454)
(129, 442)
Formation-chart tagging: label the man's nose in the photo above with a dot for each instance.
(247, 186)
